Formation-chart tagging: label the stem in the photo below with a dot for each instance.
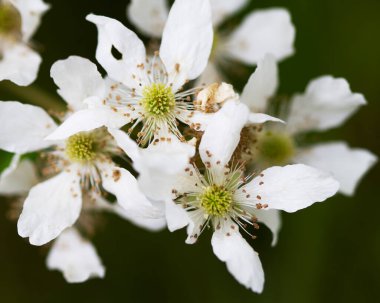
(34, 95)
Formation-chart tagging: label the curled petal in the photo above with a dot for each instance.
(113, 34)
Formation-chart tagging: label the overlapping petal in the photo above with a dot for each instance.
(77, 79)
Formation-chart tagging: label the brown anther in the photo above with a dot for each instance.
(177, 67)
(116, 175)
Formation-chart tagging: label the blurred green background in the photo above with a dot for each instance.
(327, 253)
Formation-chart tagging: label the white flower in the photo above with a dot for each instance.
(148, 91)
(70, 253)
(75, 257)
(80, 164)
(223, 198)
(327, 103)
(19, 19)
(261, 32)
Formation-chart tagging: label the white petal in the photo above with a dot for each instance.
(18, 180)
(50, 208)
(31, 12)
(151, 224)
(176, 216)
(111, 33)
(187, 40)
(24, 127)
(86, 120)
(149, 16)
(261, 86)
(262, 32)
(292, 187)
(327, 103)
(77, 79)
(241, 260)
(121, 183)
(19, 64)
(222, 134)
(221, 9)
(347, 165)
(195, 226)
(262, 118)
(157, 165)
(129, 146)
(272, 219)
(75, 257)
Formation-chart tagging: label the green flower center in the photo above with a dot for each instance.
(10, 20)
(275, 148)
(81, 147)
(216, 200)
(158, 99)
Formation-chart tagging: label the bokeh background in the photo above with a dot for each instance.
(327, 253)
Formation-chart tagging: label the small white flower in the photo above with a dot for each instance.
(19, 19)
(70, 253)
(222, 197)
(327, 103)
(261, 32)
(75, 257)
(148, 90)
(80, 164)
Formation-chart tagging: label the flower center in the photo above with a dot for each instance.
(216, 200)
(275, 148)
(10, 20)
(81, 147)
(158, 99)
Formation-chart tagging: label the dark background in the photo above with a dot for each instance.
(327, 253)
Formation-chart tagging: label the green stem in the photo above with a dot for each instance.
(33, 95)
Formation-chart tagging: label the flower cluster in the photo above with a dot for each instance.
(162, 141)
